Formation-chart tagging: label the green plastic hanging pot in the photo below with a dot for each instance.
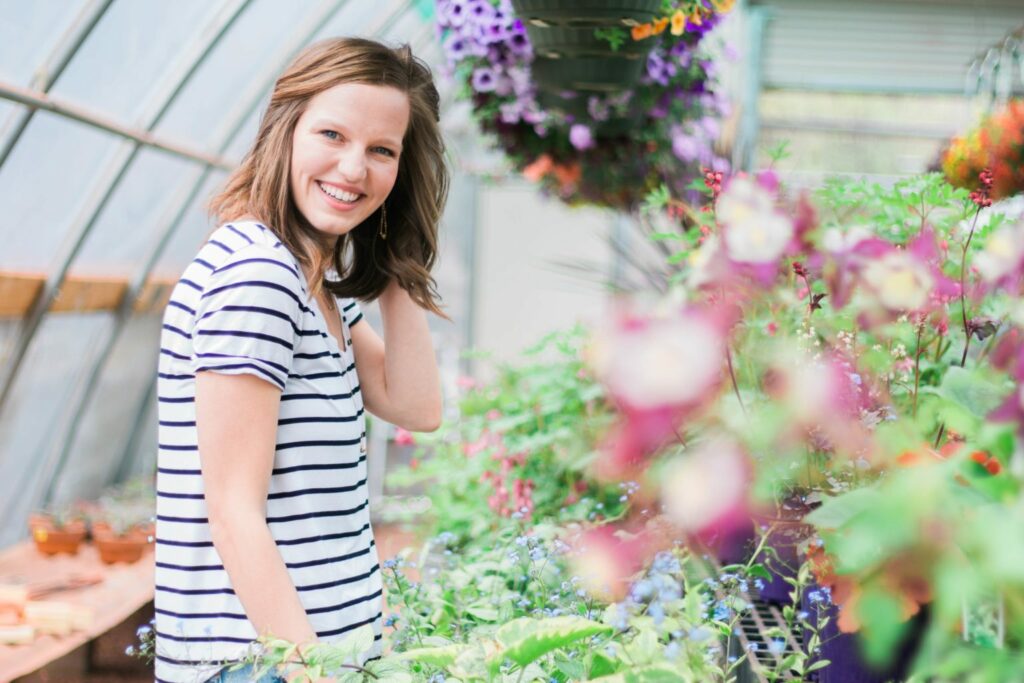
(586, 13)
(588, 74)
(557, 41)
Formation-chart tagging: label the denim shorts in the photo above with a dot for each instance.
(244, 675)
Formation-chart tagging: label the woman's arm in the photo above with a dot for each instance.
(236, 421)
(398, 374)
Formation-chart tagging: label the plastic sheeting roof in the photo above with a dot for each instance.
(118, 118)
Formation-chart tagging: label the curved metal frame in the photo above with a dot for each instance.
(234, 122)
(54, 66)
(110, 179)
(158, 105)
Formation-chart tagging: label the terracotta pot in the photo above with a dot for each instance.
(127, 547)
(51, 540)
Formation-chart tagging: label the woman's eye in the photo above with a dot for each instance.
(330, 134)
(385, 151)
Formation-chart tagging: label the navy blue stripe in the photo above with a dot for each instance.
(319, 375)
(168, 470)
(191, 568)
(350, 627)
(313, 492)
(311, 333)
(221, 245)
(183, 399)
(331, 397)
(201, 639)
(323, 442)
(310, 467)
(196, 591)
(315, 515)
(312, 356)
(339, 582)
(302, 420)
(177, 447)
(356, 319)
(167, 375)
(240, 262)
(348, 308)
(189, 283)
(239, 233)
(185, 544)
(247, 335)
(321, 537)
(178, 304)
(204, 263)
(181, 496)
(172, 354)
(331, 560)
(176, 330)
(200, 615)
(348, 603)
(265, 311)
(236, 366)
(177, 423)
(272, 520)
(276, 366)
(324, 466)
(257, 283)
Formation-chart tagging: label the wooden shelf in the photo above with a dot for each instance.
(123, 590)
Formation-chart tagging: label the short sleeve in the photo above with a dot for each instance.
(350, 312)
(247, 321)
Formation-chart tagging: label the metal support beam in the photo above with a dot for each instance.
(234, 122)
(165, 92)
(51, 69)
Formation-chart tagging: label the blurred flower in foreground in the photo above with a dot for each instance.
(704, 490)
(606, 559)
(1003, 255)
(753, 230)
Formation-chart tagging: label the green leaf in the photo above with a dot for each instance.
(837, 511)
(759, 571)
(525, 640)
(440, 657)
(820, 664)
(601, 664)
(884, 625)
(971, 391)
(655, 673)
(482, 613)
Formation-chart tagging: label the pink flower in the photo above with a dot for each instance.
(754, 232)
(404, 437)
(465, 382)
(606, 558)
(704, 490)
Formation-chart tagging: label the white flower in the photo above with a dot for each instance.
(703, 485)
(837, 240)
(664, 362)
(1002, 254)
(899, 281)
(699, 261)
(754, 231)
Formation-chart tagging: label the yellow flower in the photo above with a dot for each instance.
(722, 6)
(678, 23)
(642, 31)
(695, 18)
(660, 24)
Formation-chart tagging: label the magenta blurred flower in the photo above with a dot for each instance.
(606, 558)
(753, 230)
(704, 490)
(404, 437)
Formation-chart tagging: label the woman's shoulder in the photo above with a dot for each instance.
(248, 247)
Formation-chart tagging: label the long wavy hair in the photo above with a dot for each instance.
(365, 262)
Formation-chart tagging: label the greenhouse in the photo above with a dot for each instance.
(635, 341)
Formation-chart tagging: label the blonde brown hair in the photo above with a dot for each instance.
(260, 186)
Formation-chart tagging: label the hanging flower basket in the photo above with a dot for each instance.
(587, 74)
(593, 113)
(586, 13)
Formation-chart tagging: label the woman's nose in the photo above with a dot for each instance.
(352, 165)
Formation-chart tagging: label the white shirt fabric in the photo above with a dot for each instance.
(241, 307)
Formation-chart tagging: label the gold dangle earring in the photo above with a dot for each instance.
(383, 221)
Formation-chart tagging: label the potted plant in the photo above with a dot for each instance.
(58, 530)
(123, 526)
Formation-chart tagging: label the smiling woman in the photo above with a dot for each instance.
(267, 365)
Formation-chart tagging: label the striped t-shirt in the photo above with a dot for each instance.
(241, 307)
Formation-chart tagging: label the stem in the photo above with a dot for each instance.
(963, 306)
(732, 376)
(917, 365)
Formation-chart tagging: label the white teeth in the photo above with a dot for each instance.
(338, 194)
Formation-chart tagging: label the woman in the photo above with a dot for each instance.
(262, 520)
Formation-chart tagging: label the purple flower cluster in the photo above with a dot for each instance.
(487, 37)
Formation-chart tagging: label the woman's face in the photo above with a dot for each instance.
(345, 154)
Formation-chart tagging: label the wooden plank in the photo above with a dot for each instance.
(124, 590)
(81, 294)
(17, 292)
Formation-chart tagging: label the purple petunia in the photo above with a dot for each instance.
(484, 79)
(581, 137)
